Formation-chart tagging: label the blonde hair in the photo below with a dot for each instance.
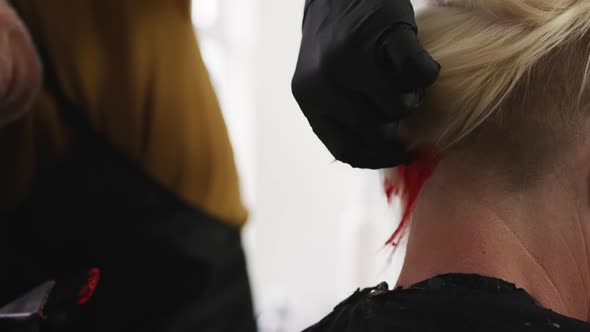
(498, 57)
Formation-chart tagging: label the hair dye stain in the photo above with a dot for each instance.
(89, 287)
(406, 181)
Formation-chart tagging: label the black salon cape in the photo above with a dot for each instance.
(451, 302)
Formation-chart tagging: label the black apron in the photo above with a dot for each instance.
(165, 265)
(446, 303)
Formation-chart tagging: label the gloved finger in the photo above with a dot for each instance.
(385, 96)
(361, 147)
(371, 118)
(379, 159)
(387, 133)
(382, 148)
(410, 65)
(406, 104)
(338, 138)
(351, 127)
(412, 100)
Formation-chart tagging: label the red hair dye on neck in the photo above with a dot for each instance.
(406, 181)
(89, 287)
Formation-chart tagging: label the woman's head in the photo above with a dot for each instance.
(514, 90)
(520, 63)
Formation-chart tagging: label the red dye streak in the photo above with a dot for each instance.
(408, 183)
(88, 289)
(390, 189)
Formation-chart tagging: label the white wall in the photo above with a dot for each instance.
(317, 227)
(315, 231)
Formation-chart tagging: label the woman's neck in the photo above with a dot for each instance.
(535, 239)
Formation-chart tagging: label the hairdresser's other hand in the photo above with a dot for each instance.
(20, 67)
(361, 69)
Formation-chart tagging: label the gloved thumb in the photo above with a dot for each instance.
(410, 65)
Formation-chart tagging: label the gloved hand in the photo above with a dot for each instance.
(361, 69)
(20, 66)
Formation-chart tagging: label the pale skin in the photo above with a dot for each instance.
(467, 222)
(20, 67)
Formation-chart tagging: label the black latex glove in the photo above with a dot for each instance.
(361, 69)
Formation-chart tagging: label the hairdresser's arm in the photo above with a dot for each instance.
(361, 69)
(20, 67)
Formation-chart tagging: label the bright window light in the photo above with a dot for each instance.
(205, 13)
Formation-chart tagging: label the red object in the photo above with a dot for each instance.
(407, 182)
(88, 289)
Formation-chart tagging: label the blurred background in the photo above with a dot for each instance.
(317, 227)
